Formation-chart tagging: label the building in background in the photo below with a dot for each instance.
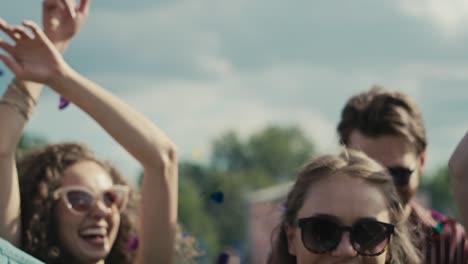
(265, 208)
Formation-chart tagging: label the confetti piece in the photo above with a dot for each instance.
(282, 209)
(63, 103)
(438, 229)
(132, 244)
(197, 154)
(437, 216)
(217, 197)
(1, 72)
(223, 258)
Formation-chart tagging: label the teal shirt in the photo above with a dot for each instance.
(11, 255)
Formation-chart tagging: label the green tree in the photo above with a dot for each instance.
(280, 150)
(439, 187)
(28, 141)
(277, 150)
(236, 167)
(195, 219)
(229, 153)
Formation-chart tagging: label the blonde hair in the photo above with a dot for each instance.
(355, 164)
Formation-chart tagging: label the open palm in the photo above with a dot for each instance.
(62, 20)
(33, 57)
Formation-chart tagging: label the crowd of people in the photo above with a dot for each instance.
(62, 204)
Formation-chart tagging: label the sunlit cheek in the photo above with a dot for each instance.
(67, 225)
(115, 224)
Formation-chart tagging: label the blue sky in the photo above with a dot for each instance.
(200, 67)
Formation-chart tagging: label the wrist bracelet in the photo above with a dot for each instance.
(19, 87)
(15, 106)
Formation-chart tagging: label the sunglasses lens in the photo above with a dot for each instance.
(401, 176)
(80, 201)
(370, 237)
(113, 198)
(320, 235)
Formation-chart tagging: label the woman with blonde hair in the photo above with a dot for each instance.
(343, 208)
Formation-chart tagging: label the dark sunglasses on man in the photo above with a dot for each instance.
(322, 234)
(401, 175)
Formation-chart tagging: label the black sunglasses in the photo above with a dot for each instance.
(401, 175)
(321, 234)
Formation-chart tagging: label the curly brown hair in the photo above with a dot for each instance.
(349, 164)
(40, 172)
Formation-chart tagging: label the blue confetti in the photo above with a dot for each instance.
(223, 258)
(439, 228)
(217, 197)
(63, 103)
(185, 234)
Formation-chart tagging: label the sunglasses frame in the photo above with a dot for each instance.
(397, 178)
(62, 193)
(342, 228)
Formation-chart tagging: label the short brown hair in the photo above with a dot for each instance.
(348, 164)
(379, 112)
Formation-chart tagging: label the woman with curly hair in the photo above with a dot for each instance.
(343, 209)
(68, 206)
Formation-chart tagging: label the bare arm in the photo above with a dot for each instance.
(458, 169)
(19, 103)
(41, 62)
(149, 145)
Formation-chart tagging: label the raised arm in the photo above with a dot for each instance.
(61, 22)
(41, 62)
(458, 170)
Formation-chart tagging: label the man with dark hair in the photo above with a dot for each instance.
(388, 126)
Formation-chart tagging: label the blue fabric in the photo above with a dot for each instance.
(11, 255)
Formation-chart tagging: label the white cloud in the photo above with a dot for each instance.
(309, 65)
(449, 16)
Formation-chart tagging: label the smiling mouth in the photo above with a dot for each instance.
(95, 240)
(95, 236)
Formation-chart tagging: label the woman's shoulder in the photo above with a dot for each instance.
(11, 254)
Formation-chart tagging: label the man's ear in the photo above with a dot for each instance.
(290, 235)
(422, 161)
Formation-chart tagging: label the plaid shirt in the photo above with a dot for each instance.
(443, 240)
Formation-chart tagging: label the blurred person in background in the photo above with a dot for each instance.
(458, 170)
(388, 126)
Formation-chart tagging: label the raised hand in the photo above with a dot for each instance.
(62, 20)
(33, 57)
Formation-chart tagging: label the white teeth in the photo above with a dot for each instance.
(94, 231)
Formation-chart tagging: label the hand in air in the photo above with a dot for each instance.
(62, 20)
(32, 57)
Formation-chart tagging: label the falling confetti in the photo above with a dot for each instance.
(63, 103)
(282, 209)
(223, 258)
(132, 243)
(217, 197)
(197, 154)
